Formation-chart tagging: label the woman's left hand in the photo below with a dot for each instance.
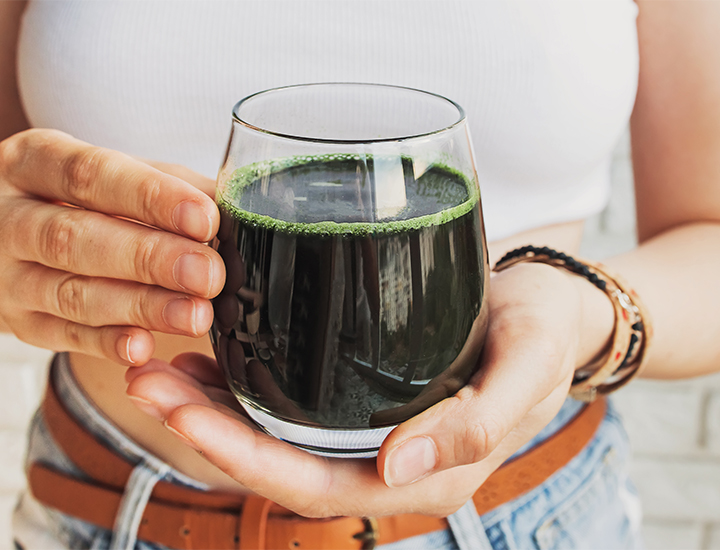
(431, 464)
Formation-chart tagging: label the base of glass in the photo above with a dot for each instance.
(331, 442)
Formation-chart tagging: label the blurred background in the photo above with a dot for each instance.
(674, 427)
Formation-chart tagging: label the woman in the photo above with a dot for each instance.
(549, 88)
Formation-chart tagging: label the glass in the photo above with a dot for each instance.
(357, 274)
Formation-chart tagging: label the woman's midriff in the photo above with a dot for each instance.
(104, 381)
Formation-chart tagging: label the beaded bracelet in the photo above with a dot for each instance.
(632, 333)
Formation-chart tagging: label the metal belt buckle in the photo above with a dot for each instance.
(369, 537)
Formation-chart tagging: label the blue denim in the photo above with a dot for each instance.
(589, 504)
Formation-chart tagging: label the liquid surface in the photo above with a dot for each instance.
(358, 322)
(361, 195)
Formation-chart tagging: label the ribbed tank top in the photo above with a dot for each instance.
(548, 85)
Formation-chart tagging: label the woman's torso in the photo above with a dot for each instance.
(548, 88)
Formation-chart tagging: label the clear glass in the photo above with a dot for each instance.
(356, 261)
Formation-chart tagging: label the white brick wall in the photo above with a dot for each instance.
(712, 422)
(713, 538)
(7, 503)
(673, 535)
(674, 427)
(22, 373)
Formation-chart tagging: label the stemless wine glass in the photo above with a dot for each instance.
(357, 272)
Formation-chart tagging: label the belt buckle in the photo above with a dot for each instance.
(368, 537)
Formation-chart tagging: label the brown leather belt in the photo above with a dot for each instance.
(186, 518)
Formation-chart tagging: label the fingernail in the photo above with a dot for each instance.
(190, 218)
(180, 314)
(124, 348)
(194, 273)
(182, 437)
(411, 462)
(148, 407)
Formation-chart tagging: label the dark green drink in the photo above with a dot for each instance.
(356, 323)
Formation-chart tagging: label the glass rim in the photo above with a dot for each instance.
(237, 118)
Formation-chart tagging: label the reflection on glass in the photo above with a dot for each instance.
(357, 272)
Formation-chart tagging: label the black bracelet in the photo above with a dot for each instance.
(569, 263)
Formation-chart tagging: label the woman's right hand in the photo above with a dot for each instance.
(97, 249)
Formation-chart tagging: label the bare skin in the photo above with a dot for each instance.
(105, 383)
(545, 323)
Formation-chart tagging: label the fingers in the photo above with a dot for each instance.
(270, 467)
(246, 453)
(74, 240)
(82, 272)
(97, 302)
(126, 345)
(525, 359)
(96, 316)
(60, 168)
(158, 388)
(202, 368)
(204, 184)
(310, 485)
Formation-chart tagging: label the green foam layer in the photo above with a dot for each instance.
(245, 176)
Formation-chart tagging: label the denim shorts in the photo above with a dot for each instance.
(589, 504)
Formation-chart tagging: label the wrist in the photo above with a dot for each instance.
(597, 321)
(587, 308)
(632, 331)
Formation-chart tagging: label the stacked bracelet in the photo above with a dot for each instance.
(632, 334)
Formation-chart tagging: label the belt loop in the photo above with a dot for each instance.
(142, 481)
(467, 528)
(253, 522)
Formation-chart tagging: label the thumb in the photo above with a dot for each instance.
(467, 427)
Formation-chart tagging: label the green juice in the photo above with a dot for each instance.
(357, 322)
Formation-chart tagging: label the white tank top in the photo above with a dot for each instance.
(548, 85)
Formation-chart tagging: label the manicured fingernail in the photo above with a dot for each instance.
(411, 462)
(180, 314)
(148, 407)
(190, 218)
(182, 437)
(194, 272)
(124, 348)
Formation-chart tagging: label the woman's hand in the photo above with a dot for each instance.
(431, 464)
(97, 249)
